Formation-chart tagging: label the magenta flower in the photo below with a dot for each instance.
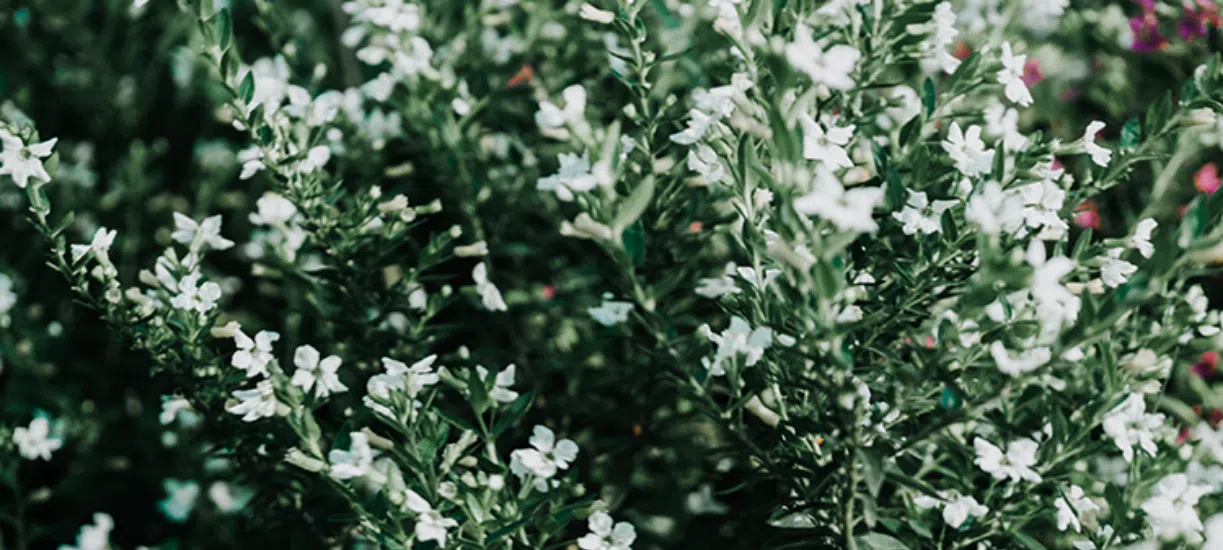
(1196, 19)
(1147, 37)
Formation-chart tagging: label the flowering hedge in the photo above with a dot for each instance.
(872, 274)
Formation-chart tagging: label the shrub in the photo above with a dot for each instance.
(868, 274)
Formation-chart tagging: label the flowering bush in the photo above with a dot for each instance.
(871, 274)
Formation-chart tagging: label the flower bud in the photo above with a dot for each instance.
(591, 13)
(307, 463)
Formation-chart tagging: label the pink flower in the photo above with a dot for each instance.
(1206, 179)
(1032, 73)
(1206, 366)
(1087, 215)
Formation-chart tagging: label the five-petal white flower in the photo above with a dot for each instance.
(430, 524)
(316, 373)
(1011, 77)
(1015, 464)
(36, 441)
(22, 162)
(546, 457)
(605, 534)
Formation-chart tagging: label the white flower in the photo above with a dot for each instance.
(550, 116)
(698, 124)
(430, 524)
(993, 210)
(23, 162)
(35, 441)
(760, 279)
(606, 536)
(848, 210)
(257, 403)
(967, 150)
(1004, 123)
(545, 458)
(180, 499)
(252, 162)
(920, 215)
(720, 101)
(253, 356)
(1214, 533)
(1099, 155)
(610, 312)
(501, 391)
(172, 408)
(1056, 306)
(489, 294)
(1011, 77)
(1015, 365)
(95, 536)
(1072, 507)
(1115, 271)
(829, 67)
(573, 176)
(715, 288)
(356, 461)
(193, 296)
(1129, 424)
(229, 498)
(99, 247)
(826, 146)
(399, 376)
(703, 160)
(1142, 237)
(1042, 16)
(393, 15)
(737, 340)
(196, 235)
(316, 373)
(956, 512)
(944, 35)
(8, 298)
(315, 159)
(1170, 509)
(1016, 464)
(1043, 201)
(273, 209)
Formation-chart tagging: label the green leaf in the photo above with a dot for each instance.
(873, 471)
(634, 206)
(1131, 133)
(1158, 113)
(928, 96)
(910, 131)
(246, 90)
(950, 400)
(457, 420)
(999, 162)
(894, 190)
(1027, 541)
(225, 28)
(478, 393)
(63, 224)
(880, 541)
(1189, 91)
(512, 414)
(1081, 245)
(634, 244)
(950, 231)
